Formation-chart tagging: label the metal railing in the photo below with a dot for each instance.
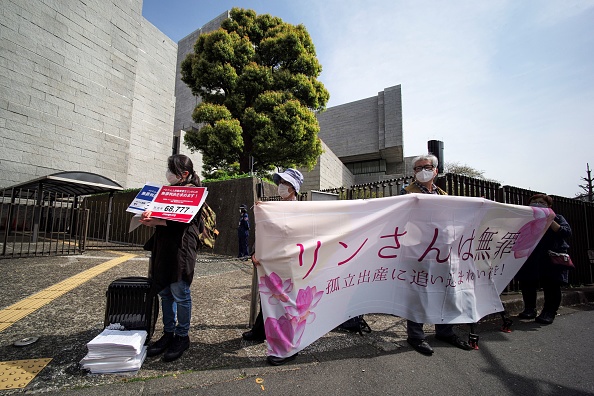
(49, 225)
(34, 225)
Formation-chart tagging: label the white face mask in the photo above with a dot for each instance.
(425, 175)
(171, 178)
(283, 191)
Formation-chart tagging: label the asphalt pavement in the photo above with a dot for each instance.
(532, 359)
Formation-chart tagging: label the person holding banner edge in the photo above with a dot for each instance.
(289, 182)
(174, 247)
(425, 171)
(538, 266)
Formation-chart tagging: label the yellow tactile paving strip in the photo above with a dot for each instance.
(18, 311)
(18, 373)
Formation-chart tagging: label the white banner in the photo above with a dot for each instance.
(427, 258)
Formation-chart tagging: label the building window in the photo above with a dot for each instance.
(375, 166)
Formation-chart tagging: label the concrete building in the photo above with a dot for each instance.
(85, 86)
(95, 87)
(366, 135)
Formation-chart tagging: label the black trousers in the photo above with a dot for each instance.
(258, 328)
(552, 294)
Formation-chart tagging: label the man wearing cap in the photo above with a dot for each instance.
(289, 182)
(243, 232)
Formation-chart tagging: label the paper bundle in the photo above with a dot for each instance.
(115, 351)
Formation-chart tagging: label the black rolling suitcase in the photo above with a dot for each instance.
(132, 303)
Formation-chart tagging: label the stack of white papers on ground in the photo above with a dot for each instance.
(115, 351)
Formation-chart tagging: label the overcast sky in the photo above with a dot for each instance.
(508, 86)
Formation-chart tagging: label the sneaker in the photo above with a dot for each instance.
(528, 313)
(545, 318)
(159, 346)
(177, 348)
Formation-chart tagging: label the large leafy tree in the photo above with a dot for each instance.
(257, 77)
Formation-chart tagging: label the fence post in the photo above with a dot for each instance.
(108, 225)
(8, 221)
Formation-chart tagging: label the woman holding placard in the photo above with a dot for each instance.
(174, 247)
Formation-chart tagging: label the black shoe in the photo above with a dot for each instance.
(252, 336)
(161, 345)
(277, 361)
(545, 318)
(455, 341)
(420, 345)
(177, 348)
(527, 314)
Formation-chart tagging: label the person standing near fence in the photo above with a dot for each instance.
(243, 232)
(174, 247)
(289, 182)
(538, 267)
(425, 170)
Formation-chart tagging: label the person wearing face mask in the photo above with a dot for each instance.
(425, 170)
(243, 232)
(539, 267)
(289, 182)
(174, 247)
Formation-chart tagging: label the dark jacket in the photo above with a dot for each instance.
(244, 225)
(173, 251)
(538, 263)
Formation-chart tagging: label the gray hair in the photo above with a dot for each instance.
(427, 157)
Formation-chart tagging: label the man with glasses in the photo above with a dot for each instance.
(425, 170)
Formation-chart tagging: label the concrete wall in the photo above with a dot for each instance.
(85, 86)
(329, 172)
(367, 129)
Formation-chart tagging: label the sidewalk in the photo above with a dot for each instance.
(221, 297)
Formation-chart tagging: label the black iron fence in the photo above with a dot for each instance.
(579, 214)
(33, 224)
(55, 224)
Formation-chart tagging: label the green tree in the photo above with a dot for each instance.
(257, 77)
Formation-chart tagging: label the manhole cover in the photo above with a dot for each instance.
(26, 341)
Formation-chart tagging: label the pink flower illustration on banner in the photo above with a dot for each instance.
(307, 299)
(274, 287)
(531, 232)
(282, 336)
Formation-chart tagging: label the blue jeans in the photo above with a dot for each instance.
(176, 303)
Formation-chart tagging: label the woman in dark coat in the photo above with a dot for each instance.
(173, 253)
(539, 267)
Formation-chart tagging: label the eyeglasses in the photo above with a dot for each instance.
(426, 167)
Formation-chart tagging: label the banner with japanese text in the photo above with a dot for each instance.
(427, 258)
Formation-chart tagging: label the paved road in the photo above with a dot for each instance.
(532, 360)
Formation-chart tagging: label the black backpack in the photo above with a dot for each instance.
(356, 325)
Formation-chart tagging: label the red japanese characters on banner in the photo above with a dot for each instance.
(177, 203)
